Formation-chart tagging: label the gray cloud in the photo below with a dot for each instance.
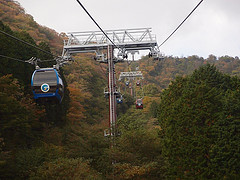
(212, 29)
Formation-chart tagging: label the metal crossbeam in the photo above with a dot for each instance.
(130, 75)
(125, 40)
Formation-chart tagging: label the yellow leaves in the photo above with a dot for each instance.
(66, 168)
(84, 79)
(150, 68)
(147, 101)
(128, 171)
(70, 78)
(76, 110)
(10, 86)
(78, 93)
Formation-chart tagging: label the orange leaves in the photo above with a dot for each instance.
(85, 80)
(128, 171)
(150, 68)
(10, 87)
(77, 96)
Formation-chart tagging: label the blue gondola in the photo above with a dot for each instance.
(47, 85)
(120, 100)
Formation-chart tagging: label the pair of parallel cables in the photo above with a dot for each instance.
(160, 44)
(26, 43)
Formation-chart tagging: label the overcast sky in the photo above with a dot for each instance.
(214, 28)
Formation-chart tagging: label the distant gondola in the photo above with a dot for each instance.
(120, 100)
(139, 104)
(138, 83)
(47, 85)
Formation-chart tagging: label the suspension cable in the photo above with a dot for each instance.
(181, 23)
(12, 58)
(96, 23)
(24, 42)
(20, 60)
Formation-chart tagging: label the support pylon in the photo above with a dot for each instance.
(112, 96)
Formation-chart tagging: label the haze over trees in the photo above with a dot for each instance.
(188, 129)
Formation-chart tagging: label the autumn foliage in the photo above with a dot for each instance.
(188, 128)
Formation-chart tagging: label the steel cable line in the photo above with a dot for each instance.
(12, 58)
(181, 23)
(96, 23)
(29, 44)
(20, 60)
(46, 60)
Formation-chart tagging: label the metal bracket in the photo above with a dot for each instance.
(33, 61)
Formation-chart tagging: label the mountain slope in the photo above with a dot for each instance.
(13, 15)
(58, 141)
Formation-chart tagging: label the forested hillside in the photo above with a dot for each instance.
(163, 72)
(188, 128)
(13, 15)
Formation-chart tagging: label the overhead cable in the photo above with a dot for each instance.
(24, 42)
(15, 59)
(96, 23)
(12, 58)
(181, 23)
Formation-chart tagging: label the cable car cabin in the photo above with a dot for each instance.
(138, 83)
(139, 104)
(47, 85)
(120, 100)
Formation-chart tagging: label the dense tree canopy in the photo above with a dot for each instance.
(190, 130)
(199, 127)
